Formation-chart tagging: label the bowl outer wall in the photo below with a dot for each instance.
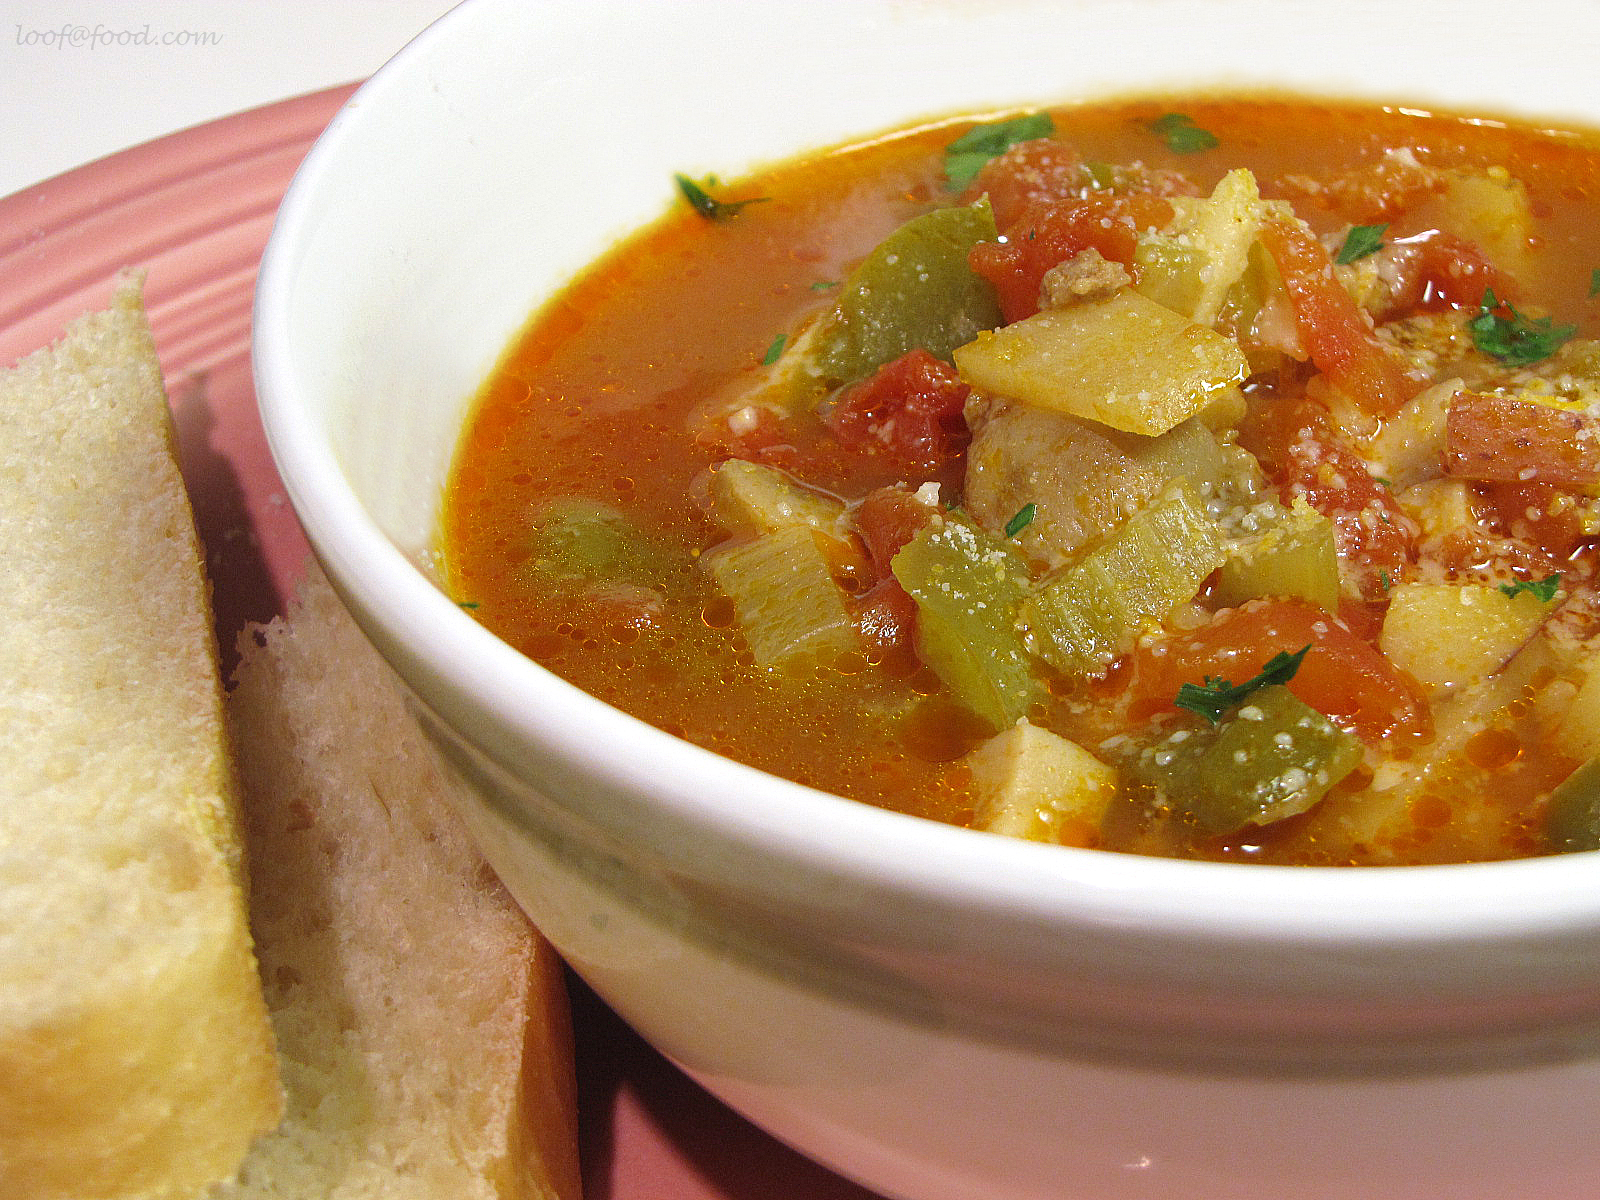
(444, 203)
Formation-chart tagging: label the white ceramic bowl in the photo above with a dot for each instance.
(940, 1014)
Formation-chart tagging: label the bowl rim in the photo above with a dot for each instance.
(446, 656)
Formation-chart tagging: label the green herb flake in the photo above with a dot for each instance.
(1023, 518)
(822, 285)
(965, 157)
(707, 205)
(1216, 696)
(1181, 134)
(774, 350)
(1594, 283)
(1543, 589)
(1361, 241)
(1513, 338)
(467, 604)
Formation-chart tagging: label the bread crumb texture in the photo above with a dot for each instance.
(421, 1021)
(135, 1055)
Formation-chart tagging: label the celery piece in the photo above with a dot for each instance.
(1125, 361)
(784, 596)
(1286, 552)
(1169, 272)
(914, 290)
(1275, 757)
(1193, 264)
(1572, 820)
(967, 585)
(1034, 784)
(578, 538)
(749, 499)
(1082, 617)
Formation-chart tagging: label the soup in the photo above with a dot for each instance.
(1204, 477)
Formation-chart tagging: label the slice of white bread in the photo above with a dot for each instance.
(422, 1022)
(136, 1057)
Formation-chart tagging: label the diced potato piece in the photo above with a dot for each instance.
(1294, 555)
(749, 499)
(1440, 507)
(784, 597)
(1081, 618)
(1449, 635)
(1490, 208)
(1031, 783)
(1577, 734)
(1410, 447)
(967, 584)
(1124, 361)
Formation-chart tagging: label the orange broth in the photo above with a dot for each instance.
(602, 397)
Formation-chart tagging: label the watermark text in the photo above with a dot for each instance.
(94, 37)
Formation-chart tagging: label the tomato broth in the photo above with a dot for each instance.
(1200, 476)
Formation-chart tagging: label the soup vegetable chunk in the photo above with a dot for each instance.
(1204, 477)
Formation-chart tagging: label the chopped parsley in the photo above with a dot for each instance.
(1181, 134)
(1216, 696)
(965, 157)
(823, 285)
(1023, 518)
(1361, 241)
(1543, 589)
(1594, 283)
(1514, 339)
(774, 350)
(707, 205)
(467, 604)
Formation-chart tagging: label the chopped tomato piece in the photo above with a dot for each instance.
(1304, 455)
(886, 519)
(1046, 171)
(1556, 521)
(1342, 676)
(1334, 331)
(1500, 439)
(910, 408)
(1371, 193)
(753, 433)
(1041, 170)
(886, 617)
(1436, 271)
(1049, 234)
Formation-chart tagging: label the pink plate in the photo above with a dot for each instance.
(193, 211)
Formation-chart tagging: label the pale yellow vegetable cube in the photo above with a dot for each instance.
(1035, 784)
(1409, 449)
(1449, 635)
(1577, 734)
(1491, 208)
(1124, 361)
